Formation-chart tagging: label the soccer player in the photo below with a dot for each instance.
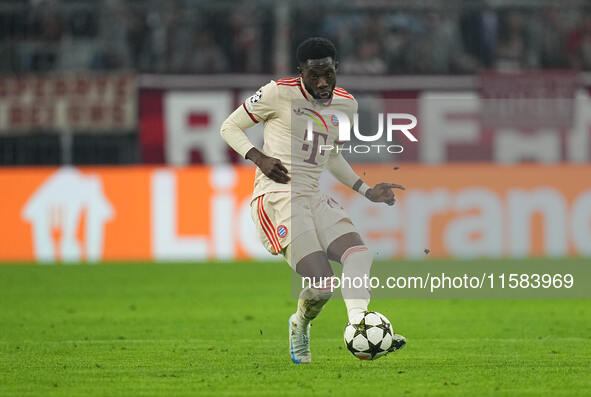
(291, 216)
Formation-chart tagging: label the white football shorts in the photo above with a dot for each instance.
(310, 222)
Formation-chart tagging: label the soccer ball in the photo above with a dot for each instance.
(369, 336)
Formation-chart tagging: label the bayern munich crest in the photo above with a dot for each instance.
(334, 120)
(282, 231)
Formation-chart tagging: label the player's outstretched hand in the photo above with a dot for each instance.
(382, 193)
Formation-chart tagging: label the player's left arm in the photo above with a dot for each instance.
(341, 169)
(380, 193)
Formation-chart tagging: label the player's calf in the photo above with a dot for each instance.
(357, 261)
(310, 304)
(314, 267)
(351, 252)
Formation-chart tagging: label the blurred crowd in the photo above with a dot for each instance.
(199, 36)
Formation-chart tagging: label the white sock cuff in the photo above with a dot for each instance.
(316, 293)
(352, 250)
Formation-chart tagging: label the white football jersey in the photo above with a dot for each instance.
(287, 110)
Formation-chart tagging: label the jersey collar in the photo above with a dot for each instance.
(309, 96)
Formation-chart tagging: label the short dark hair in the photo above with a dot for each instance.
(315, 48)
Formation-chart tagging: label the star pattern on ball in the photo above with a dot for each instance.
(374, 349)
(384, 326)
(365, 349)
(361, 328)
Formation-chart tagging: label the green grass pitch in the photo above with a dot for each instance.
(221, 329)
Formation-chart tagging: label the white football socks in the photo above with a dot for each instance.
(310, 303)
(357, 263)
(356, 267)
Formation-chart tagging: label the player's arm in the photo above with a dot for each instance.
(233, 128)
(341, 169)
(253, 110)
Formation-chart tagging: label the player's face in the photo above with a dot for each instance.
(319, 77)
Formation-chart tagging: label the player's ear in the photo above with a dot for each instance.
(299, 70)
(336, 65)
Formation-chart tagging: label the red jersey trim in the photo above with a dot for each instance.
(250, 114)
(302, 89)
(344, 96)
(288, 80)
(343, 93)
(342, 90)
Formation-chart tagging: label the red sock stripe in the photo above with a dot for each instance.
(352, 250)
(268, 226)
(327, 284)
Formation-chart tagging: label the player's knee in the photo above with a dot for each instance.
(358, 254)
(340, 245)
(315, 266)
